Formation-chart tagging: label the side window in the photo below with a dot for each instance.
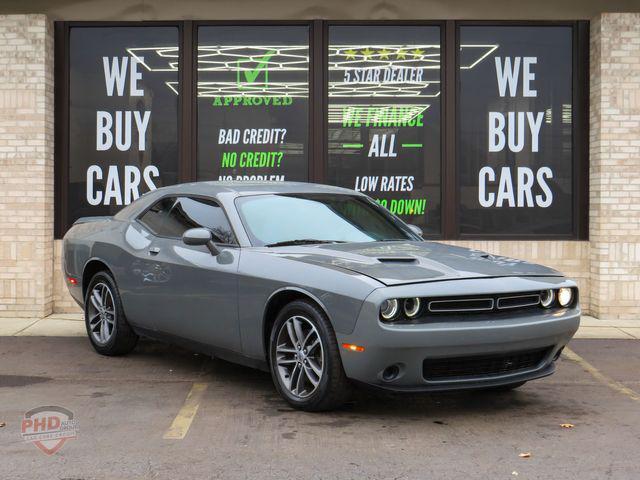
(154, 218)
(172, 216)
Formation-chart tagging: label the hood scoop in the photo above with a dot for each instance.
(397, 259)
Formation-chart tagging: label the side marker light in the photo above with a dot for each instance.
(353, 348)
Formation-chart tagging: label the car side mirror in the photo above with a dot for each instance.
(200, 236)
(415, 229)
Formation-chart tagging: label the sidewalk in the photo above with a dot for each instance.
(56, 325)
(72, 325)
(591, 327)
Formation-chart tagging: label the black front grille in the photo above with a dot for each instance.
(482, 365)
(483, 303)
(518, 301)
(461, 305)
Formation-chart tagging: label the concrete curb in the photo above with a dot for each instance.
(72, 325)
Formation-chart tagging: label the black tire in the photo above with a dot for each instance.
(505, 388)
(122, 338)
(333, 389)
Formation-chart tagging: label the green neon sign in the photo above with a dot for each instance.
(250, 76)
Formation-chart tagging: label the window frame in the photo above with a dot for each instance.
(138, 218)
(318, 111)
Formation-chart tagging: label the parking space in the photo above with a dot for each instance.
(237, 426)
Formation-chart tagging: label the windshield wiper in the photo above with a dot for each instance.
(301, 241)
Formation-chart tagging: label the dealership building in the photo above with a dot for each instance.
(510, 127)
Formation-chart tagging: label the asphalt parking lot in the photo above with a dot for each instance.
(129, 408)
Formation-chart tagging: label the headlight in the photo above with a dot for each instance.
(388, 309)
(547, 297)
(565, 296)
(411, 307)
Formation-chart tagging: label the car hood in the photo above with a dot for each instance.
(402, 262)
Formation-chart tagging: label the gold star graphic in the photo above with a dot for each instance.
(351, 54)
(384, 54)
(417, 52)
(401, 55)
(366, 53)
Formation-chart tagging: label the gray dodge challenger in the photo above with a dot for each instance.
(320, 286)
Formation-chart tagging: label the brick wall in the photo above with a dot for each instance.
(26, 165)
(614, 213)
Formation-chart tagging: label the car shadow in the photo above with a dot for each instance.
(535, 398)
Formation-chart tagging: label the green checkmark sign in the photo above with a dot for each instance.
(250, 76)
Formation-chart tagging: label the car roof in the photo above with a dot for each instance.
(228, 190)
(244, 188)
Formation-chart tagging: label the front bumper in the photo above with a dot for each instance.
(407, 346)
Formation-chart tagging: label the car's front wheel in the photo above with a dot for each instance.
(107, 327)
(305, 361)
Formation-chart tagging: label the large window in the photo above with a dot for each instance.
(466, 129)
(384, 117)
(515, 149)
(123, 116)
(253, 97)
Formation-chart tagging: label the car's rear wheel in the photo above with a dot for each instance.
(107, 327)
(305, 361)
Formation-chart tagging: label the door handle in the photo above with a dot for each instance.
(154, 251)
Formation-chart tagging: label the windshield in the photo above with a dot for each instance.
(317, 218)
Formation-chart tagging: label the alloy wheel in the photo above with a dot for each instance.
(101, 313)
(299, 356)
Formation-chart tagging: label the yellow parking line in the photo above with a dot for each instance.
(180, 426)
(601, 377)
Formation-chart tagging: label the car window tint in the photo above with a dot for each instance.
(175, 216)
(155, 217)
(189, 213)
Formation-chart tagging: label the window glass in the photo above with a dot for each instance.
(384, 117)
(155, 217)
(123, 116)
(253, 103)
(514, 151)
(171, 217)
(340, 218)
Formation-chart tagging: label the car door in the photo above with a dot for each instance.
(191, 293)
